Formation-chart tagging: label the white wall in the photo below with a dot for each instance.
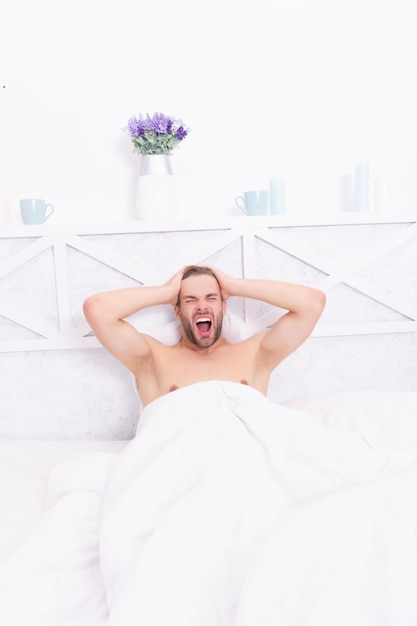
(299, 88)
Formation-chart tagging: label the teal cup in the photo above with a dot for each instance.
(253, 202)
(277, 196)
(35, 210)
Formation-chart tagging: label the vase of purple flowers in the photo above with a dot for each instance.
(154, 138)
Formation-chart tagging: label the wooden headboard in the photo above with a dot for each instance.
(58, 383)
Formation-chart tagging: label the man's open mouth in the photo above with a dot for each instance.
(204, 326)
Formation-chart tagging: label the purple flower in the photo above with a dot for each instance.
(181, 133)
(158, 134)
(136, 128)
(159, 123)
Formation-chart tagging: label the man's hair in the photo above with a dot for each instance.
(198, 270)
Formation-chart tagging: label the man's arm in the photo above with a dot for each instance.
(304, 305)
(105, 312)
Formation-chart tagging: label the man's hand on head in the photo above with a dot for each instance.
(174, 285)
(225, 281)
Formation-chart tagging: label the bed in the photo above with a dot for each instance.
(115, 515)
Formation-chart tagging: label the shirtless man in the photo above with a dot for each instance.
(199, 297)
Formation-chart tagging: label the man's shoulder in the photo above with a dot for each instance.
(158, 344)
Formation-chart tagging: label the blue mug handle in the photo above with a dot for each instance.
(52, 209)
(241, 204)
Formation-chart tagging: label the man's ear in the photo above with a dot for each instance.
(224, 306)
(176, 311)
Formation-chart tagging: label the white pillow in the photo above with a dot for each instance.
(387, 419)
(57, 569)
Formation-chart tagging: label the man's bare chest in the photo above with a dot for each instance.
(181, 367)
(171, 368)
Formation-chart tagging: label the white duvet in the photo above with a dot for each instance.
(226, 510)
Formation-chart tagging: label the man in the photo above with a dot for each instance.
(199, 296)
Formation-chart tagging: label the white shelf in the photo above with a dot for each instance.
(218, 223)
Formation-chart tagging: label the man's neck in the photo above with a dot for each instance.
(203, 350)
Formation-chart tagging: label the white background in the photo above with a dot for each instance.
(296, 88)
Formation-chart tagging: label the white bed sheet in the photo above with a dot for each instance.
(229, 510)
(24, 470)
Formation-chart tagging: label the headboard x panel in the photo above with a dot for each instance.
(368, 270)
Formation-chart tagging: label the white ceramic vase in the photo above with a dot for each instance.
(156, 196)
